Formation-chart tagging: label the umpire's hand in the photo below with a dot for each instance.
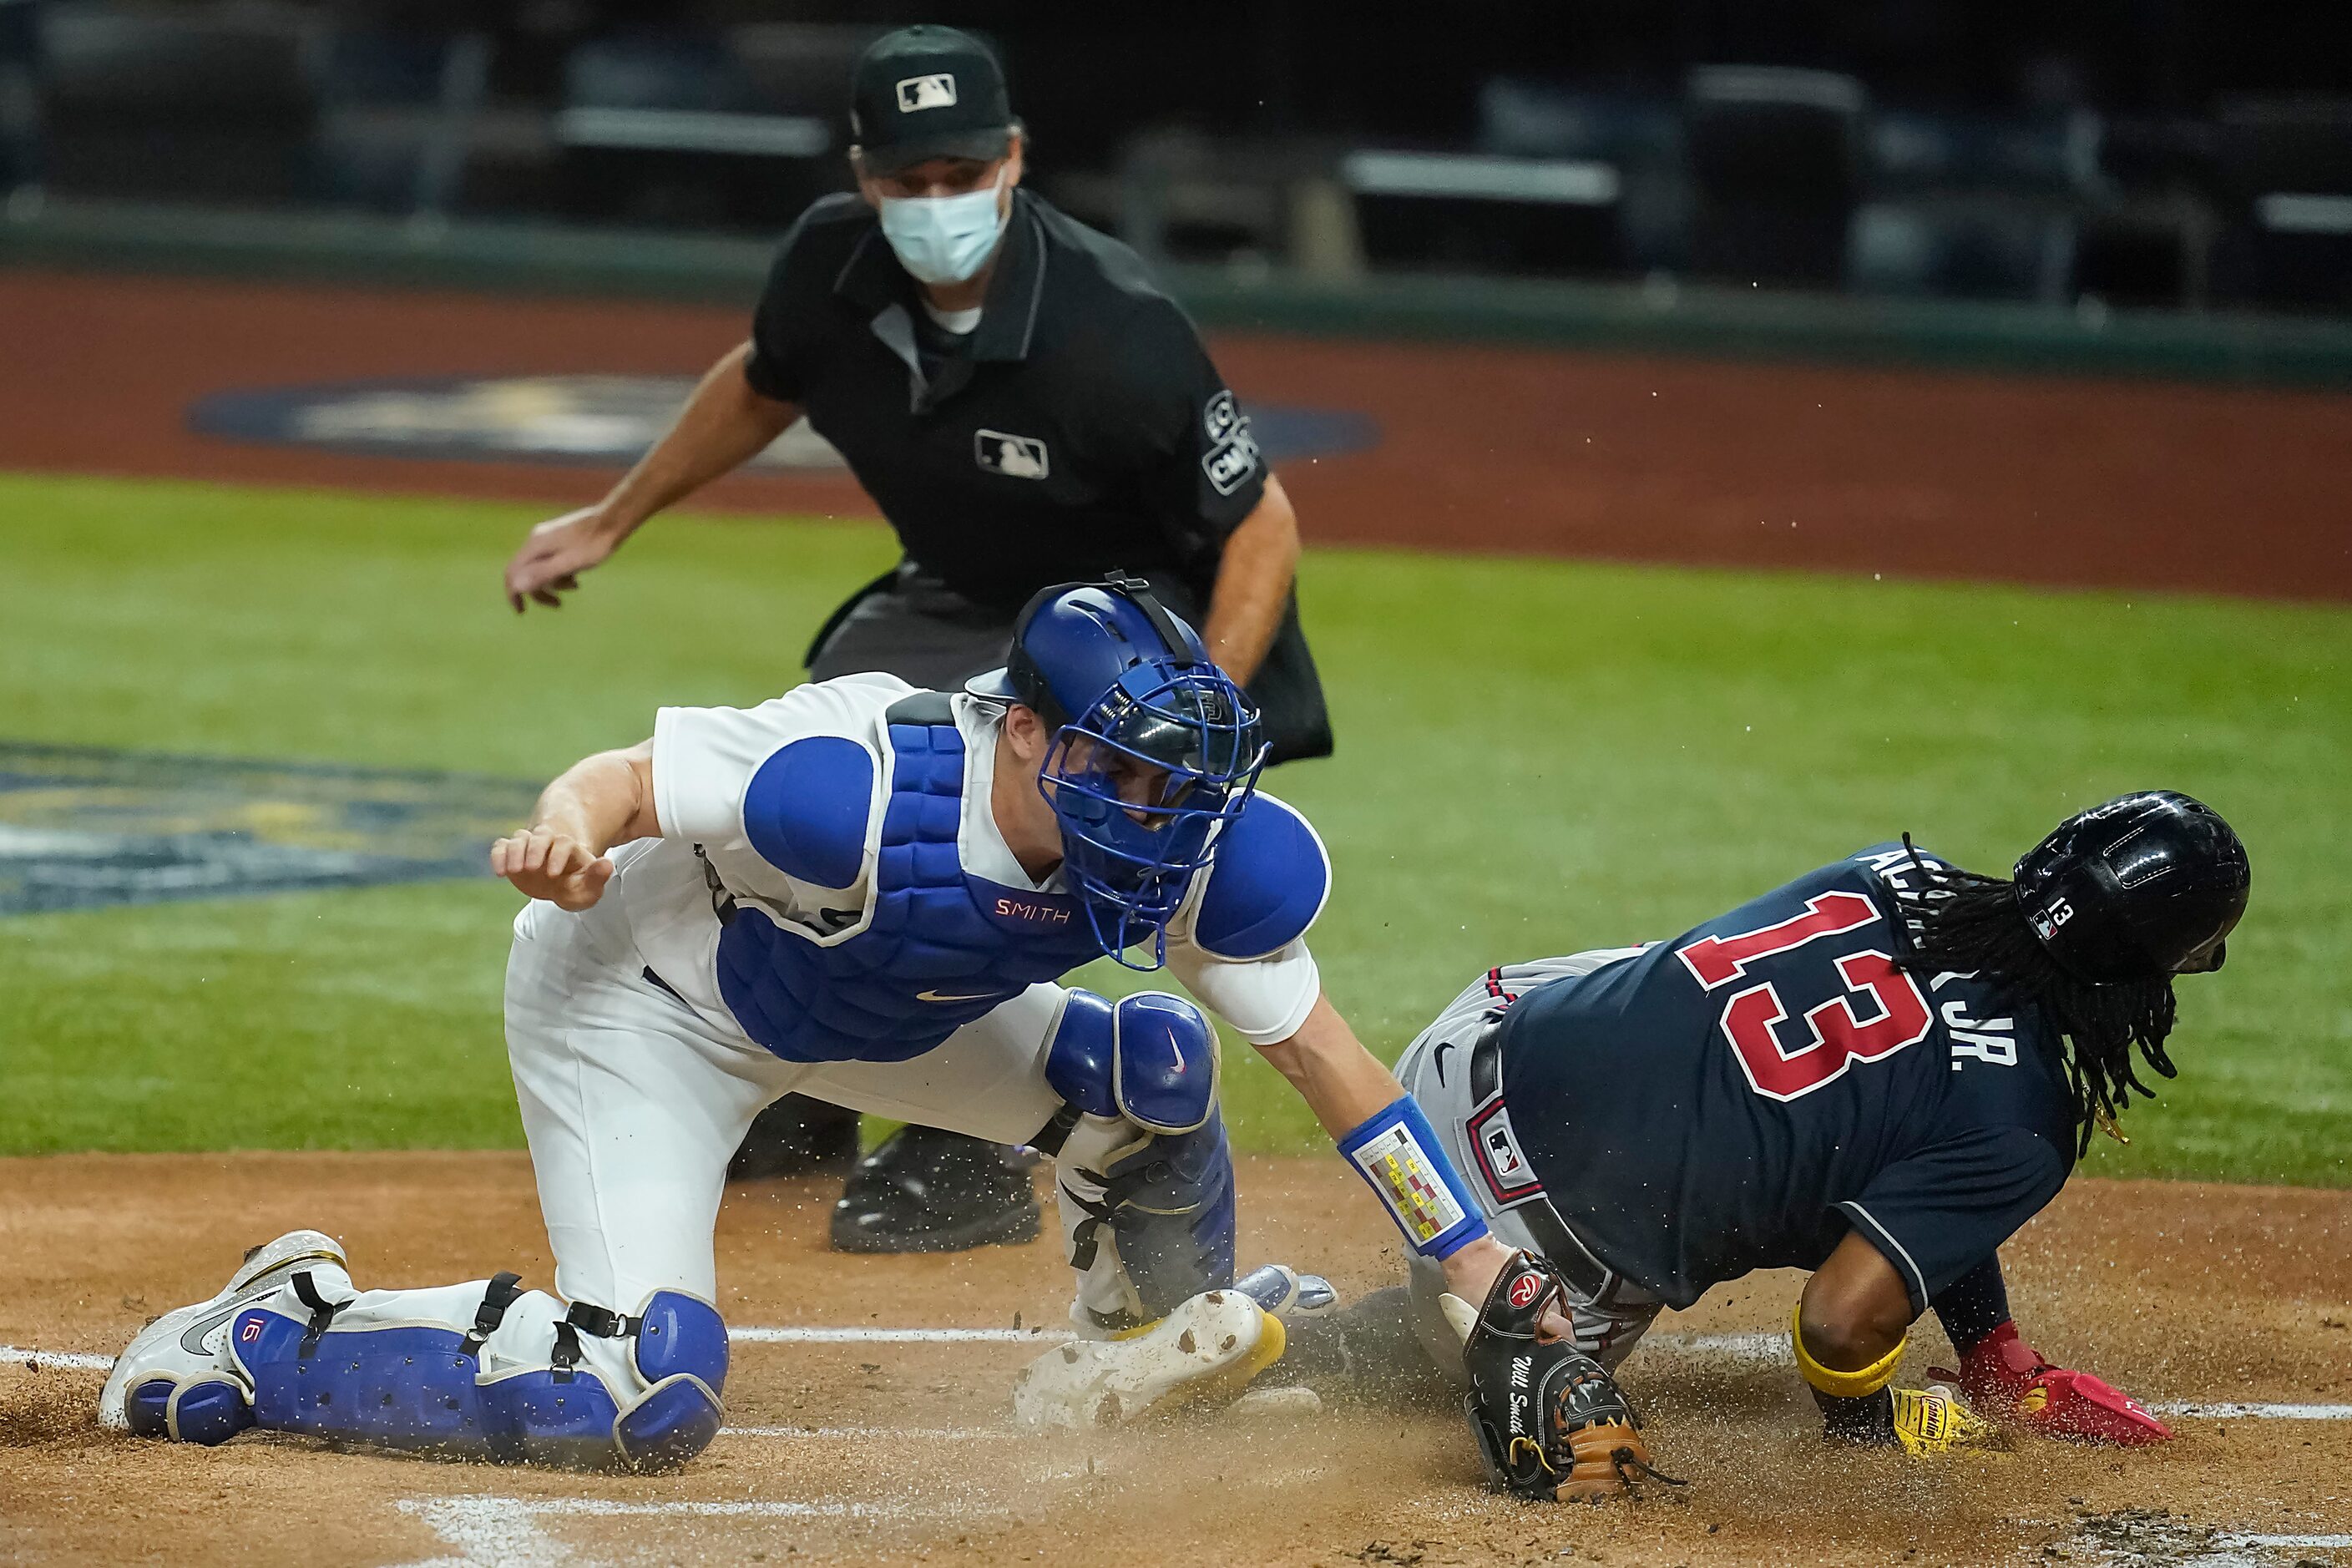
(550, 563)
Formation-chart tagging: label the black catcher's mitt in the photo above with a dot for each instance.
(1550, 1422)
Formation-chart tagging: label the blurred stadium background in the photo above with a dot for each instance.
(1812, 298)
(2171, 153)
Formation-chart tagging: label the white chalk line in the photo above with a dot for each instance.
(55, 1360)
(2243, 1411)
(1754, 1346)
(1739, 1347)
(862, 1336)
(1742, 1347)
(859, 1434)
(504, 1530)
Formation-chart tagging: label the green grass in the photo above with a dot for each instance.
(1536, 757)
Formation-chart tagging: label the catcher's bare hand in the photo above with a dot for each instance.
(544, 864)
(550, 563)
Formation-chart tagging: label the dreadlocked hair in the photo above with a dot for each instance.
(1964, 923)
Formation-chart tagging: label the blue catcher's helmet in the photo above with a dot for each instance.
(1155, 750)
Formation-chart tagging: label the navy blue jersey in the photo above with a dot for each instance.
(1741, 1097)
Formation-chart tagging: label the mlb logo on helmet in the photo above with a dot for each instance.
(937, 91)
(1526, 1288)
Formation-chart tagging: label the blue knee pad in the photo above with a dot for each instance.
(1152, 1059)
(681, 1352)
(1169, 1207)
(420, 1388)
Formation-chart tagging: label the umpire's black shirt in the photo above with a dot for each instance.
(1079, 427)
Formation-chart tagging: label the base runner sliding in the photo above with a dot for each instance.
(1877, 1072)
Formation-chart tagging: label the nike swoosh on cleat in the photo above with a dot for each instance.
(953, 996)
(191, 1338)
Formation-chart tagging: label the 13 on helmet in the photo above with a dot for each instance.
(1133, 697)
(2148, 884)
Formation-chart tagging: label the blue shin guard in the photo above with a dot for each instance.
(1165, 1204)
(681, 1352)
(1168, 1208)
(422, 1387)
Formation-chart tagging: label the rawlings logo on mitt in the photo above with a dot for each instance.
(1550, 1422)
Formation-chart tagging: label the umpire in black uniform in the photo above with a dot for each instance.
(1026, 408)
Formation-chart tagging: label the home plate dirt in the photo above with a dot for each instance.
(868, 1443)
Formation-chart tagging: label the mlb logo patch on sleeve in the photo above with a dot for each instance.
(920, 92)
(1219, 417)
(1016, 456)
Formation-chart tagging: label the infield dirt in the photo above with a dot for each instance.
(888, 1452)
(884, 1452)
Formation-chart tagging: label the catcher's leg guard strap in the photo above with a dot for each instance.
(1154, 1224)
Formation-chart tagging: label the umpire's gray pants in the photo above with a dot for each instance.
(922, 631)
(1435, 1070)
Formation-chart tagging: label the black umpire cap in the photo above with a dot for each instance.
(927, 92)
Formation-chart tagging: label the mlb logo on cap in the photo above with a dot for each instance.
(918, 92)
(927, 92)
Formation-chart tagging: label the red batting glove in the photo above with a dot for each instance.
(2007, 1378)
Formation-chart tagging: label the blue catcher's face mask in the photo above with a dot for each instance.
(1142, 783)
(944, 240)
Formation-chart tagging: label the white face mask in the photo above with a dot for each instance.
(945, 239)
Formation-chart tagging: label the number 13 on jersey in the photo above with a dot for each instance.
(1839, 1035)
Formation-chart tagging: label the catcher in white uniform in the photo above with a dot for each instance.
(862, 892)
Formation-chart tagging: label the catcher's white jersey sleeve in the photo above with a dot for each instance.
(704, 760)
(1264, 999)
(1239, 943)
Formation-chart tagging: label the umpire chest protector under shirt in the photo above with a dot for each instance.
(1079, 427)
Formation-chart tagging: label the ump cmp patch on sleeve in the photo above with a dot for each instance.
(1232, 454)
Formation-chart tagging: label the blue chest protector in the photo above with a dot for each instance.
(940, 947)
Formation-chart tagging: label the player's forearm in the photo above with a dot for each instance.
(722, 427)
(1342, 1083)
(1345, 1087)
(602, 800)
(1254, 578)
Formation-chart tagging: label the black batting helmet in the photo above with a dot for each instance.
(2148, 884)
